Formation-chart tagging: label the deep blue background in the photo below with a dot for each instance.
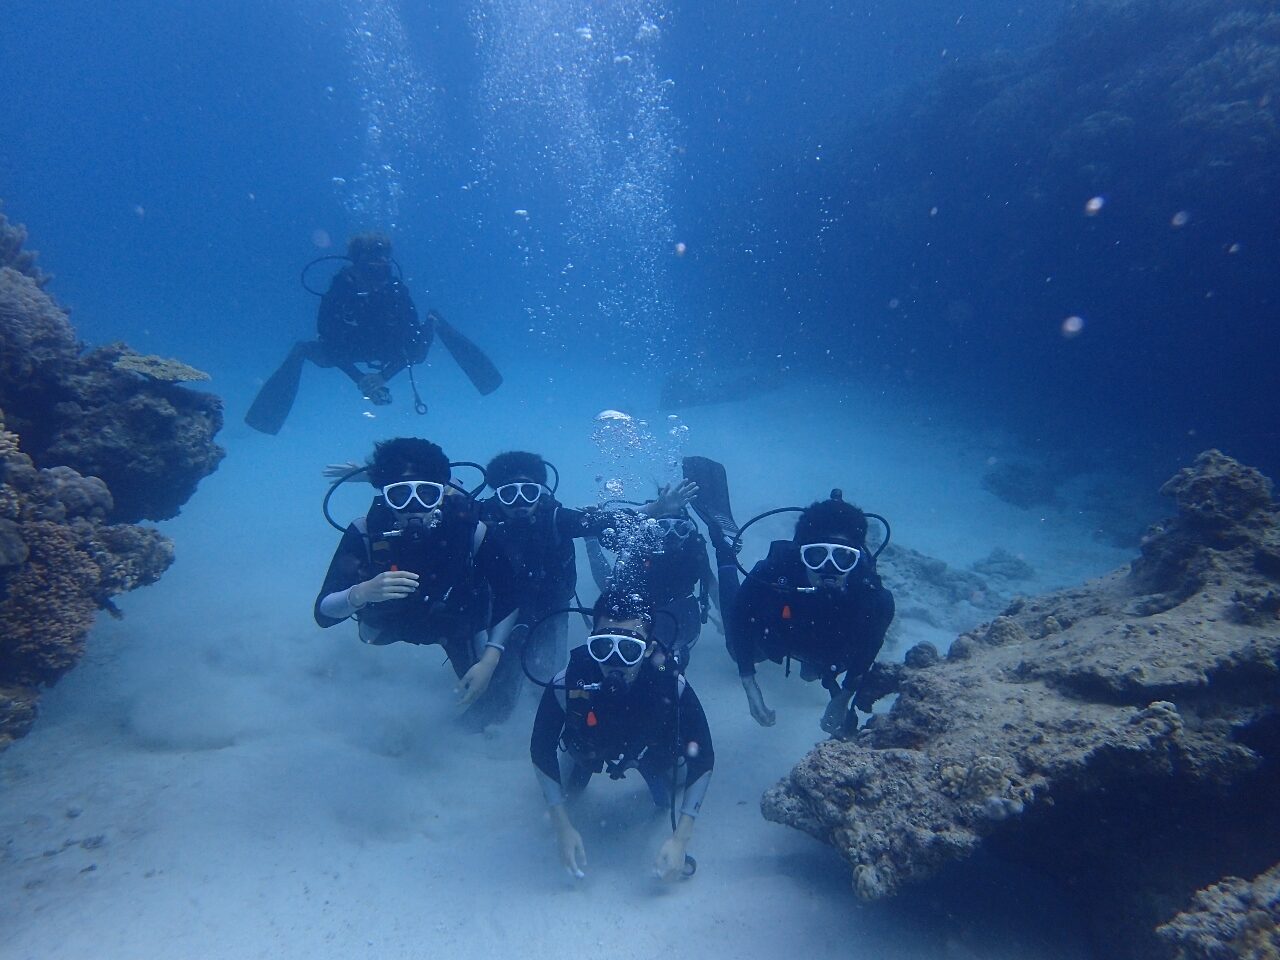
(174, 161)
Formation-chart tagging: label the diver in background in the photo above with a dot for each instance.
(616, 708)
(666, 567)
(816, 599)
(367, 317)
(420, 568)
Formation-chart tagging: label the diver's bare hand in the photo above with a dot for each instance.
(388, 585)
(572, 853)
(835, 719)
(760, 712)
(670, 864)
(476, 680)
(673, 497)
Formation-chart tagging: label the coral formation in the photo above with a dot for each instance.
(12, 237)
(1122, 735)
(150, 440)
(1234, 919)
(937, 594)
(62, 563)
(158, 368)
(1004, 565)
(107, 437)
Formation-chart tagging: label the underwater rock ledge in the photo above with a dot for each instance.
(100, 412)
(60, 563)
(1121, 736)
(86, 441)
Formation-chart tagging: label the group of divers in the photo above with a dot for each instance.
(493, 580)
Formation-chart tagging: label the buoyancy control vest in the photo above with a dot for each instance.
(544, 562)
(450, 602)
(674, 572)
(370, 325)
(822, 628)
(617, 730)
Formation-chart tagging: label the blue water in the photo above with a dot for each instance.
(599, 194)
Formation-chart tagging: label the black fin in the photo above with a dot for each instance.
(712, 504)
(271, 407)
(600, 565)
(479, 369)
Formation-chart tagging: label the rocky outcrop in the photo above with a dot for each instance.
(107, 413)
(12, 238)
(1234, 919)
(1035, 219)
(930, 590)
(1123, 735)
(105, 436)
(60, 563)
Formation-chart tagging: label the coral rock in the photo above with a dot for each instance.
(1233, 919)
(148, 439)
(71, 564)
(1128, 745)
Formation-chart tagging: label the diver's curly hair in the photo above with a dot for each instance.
(615, 605)
(826, 520)
(516, 465)
(391, 459)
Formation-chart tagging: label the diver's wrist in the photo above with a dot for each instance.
(353, 597)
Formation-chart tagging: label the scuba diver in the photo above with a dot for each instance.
(367, 317)
(617, 708)
(536, 533)
(420, 568)
(668, 566)
(816, 599)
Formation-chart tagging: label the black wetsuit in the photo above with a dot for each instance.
(668, 580)
(656, 725)
(461, 590)
(379, 327)
(830, 632)
(544, 566)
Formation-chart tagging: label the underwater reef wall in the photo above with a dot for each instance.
(1046, 220)
(89, 442)
(107, 413)
(1131, 161)
(1122, 736)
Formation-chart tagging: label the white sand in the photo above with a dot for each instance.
(220, 778)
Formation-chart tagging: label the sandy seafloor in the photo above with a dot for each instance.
(219, 778)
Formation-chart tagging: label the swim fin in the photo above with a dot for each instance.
(473, 361)
(712, 504)
(600, 565)
(271, 407)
